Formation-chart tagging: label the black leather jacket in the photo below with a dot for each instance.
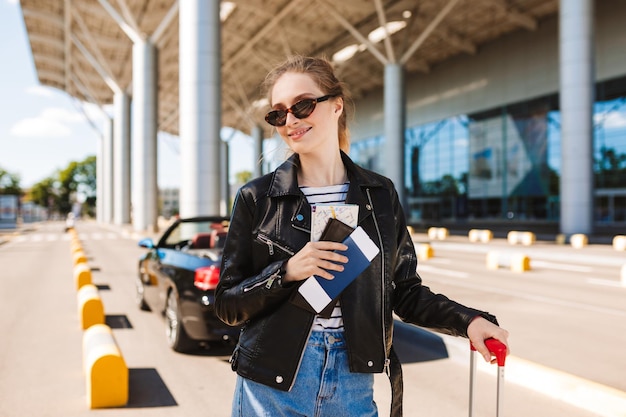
(271, 222)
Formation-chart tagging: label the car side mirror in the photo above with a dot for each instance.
(146, 243)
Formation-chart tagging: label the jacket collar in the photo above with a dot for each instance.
(285, 182)
(285, 179)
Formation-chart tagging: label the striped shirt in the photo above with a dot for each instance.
(332, 194)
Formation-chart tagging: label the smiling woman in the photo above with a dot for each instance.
(290, 356)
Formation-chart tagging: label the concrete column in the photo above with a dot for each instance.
(225, 177)
(121, 158)
(576, 101)
(393, 151)
(144, 137)
(107, 171)
(100, 180)
(200, 106)
(257, 136)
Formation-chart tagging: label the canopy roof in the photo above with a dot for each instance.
(84, 47)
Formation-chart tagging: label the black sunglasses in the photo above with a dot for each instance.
(301, 110)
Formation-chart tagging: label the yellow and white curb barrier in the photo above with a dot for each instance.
(578, 240)
(90, 307)
(517, 262)
(480, 235)
(619, 242)
(75, 246)
(424, 251)
(525, 238)
(438, 233)
(79, 257)
(106, 373)
(82, 275)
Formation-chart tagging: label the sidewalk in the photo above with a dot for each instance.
(7, 234)
(530, 388)
(566, 388)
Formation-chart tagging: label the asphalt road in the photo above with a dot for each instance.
(566, 319)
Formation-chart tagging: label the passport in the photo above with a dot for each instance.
(319, 292)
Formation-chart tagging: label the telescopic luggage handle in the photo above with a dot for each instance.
(498, 349)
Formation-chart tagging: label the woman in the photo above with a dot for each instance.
(291, 361)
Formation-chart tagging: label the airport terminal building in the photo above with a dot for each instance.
(482, 112)
(484, 139)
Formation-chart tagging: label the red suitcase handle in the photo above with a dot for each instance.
(496, 347)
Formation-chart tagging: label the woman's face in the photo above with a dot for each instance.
(317, 133)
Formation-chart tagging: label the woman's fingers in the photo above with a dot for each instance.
(317, 258)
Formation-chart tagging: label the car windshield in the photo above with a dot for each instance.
(198, 234)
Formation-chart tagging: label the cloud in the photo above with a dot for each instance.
(61, 115)
(52, 122)
(40, 90)
(40, 127)
(615, 120)
(95, 113)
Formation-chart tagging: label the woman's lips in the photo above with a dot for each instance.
(297, 134)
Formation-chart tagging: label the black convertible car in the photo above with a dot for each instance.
(177, 278)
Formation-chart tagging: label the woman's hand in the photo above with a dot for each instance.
(479, 330)
(315, 258)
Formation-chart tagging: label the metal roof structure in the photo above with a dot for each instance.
(84, 47)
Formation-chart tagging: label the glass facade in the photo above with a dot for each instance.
(504, 163)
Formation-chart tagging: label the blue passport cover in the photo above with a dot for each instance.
(319, 292)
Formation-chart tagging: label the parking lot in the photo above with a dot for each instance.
(565, 316)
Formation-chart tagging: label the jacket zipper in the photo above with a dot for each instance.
(382, 277)
(293, 382)
(270, 244)
(268, 284)
(269, 280)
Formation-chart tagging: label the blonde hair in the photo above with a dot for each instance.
(322, 72)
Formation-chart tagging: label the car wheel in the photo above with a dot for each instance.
(177, 338)
(140, 294)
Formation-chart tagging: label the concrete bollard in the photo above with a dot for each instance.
(75, 246)
(438, 233)
(90, 308)
(79, 257)
(619, 242)
(106, 373)
(525, 238)
(480, 235)
(424, 251)
(516, 262)
(560, 239)
(578, 240)
(82, 275)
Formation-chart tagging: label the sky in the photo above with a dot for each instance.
(43, 129)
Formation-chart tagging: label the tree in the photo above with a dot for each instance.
(85, 176)
(44, 194)
(66, 185)
(448, 186)
(9, 183)
(59, 192)
(610, 169)
(243, 177)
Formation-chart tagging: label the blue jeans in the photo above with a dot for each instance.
(324, 386)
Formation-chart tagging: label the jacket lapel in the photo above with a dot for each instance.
(285, 183)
